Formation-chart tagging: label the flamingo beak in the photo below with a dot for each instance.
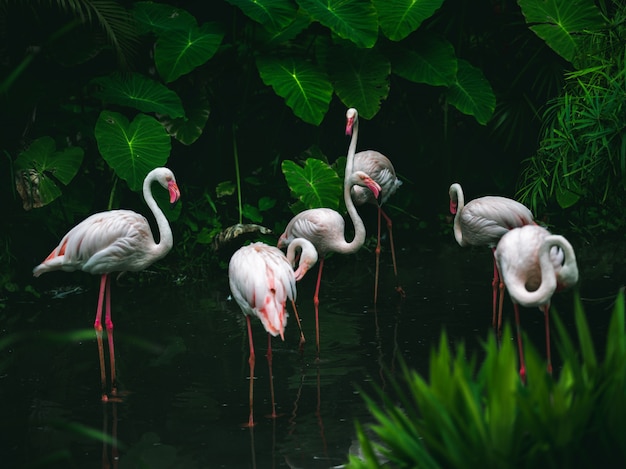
(349, 125)
(453, 207)
(174, 192)
(374, 187)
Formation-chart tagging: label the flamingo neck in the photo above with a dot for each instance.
(457, 203)
(542, 295)
(166, 240)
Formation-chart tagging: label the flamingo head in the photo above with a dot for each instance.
(351, 117)
(172, 187)
(360, 178)
(453, 207)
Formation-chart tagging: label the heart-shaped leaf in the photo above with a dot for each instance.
(161, 17)
(188, 130)
(560, 22)
(139, 92)
(360, 76)
(471, 93)
(306, 89)
(355, 21)
(274, 15)
(431, 61)
(181, 51)
(400, 18)
(40, 166)
(132, 149)
(316, 184)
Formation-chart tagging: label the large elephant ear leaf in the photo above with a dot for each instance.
(161, 18)
(431, 61)
(471, 93)
(560, 22)
(139, 92)
(354, 21)
(315, 185)
(274, 15)
(360, 76)
(181, 51)
(39, 169)
(305, 87)
(132, 149)
(400, 18)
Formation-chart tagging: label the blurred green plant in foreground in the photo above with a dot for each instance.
(464, 416)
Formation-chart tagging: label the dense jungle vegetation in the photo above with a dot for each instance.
(245, 101)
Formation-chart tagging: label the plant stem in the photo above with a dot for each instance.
(236, 155)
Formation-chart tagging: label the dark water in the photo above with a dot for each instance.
(182, 362)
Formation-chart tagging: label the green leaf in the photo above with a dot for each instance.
(431, 61)
(161, 18)
(181, 51)
(316, 184)
(132, 149)
(305, 88)
(565, 197)
(399, 18)
(560, 22)
(139, 92)
(188, 130)
(355, 21)
(360, 76)
(40, 166)
(471, 93)
(274, 15)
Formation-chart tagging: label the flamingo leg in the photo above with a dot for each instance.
(546, 313)
(522, 369)
(269, 364)
(494, 288)
(316, 302)
(97, 325)
(399, 289)
(251, 361)
(302, 339)
(109, 326)
(378, 258)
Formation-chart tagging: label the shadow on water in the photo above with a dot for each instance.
(182, 364)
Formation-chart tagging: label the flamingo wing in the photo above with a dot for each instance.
(114, 241)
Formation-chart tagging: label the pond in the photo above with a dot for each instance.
(182, 364)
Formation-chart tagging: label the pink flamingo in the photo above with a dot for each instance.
(482, 222)
(261, 280)
(533, 265)
(325, 228)
(380, 169)
(114, 241)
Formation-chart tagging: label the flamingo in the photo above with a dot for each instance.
(114, 241)
(261, 280)
(482, 222)
(325, 228)
(381, 170)
(533, 265)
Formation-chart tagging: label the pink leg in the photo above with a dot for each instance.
(378, 259)
(97, 325)
(251, 361)
(522, 369)
(546, 312)
(109, 326)
(269, 364)
(399, 289)
(316, 302)
(302, 339)
(494, 287)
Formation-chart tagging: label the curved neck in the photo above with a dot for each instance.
(546, 289)
(166, 240)
(457, 202)
(568, 274)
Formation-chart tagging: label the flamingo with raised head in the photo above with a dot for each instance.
(114, 241)
(534, 264)
(325, 228)
(380, 169)
(482, 222)
(262, 279)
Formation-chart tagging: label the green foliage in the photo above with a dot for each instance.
(582, 153)
(464, 416)
(315, 184)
